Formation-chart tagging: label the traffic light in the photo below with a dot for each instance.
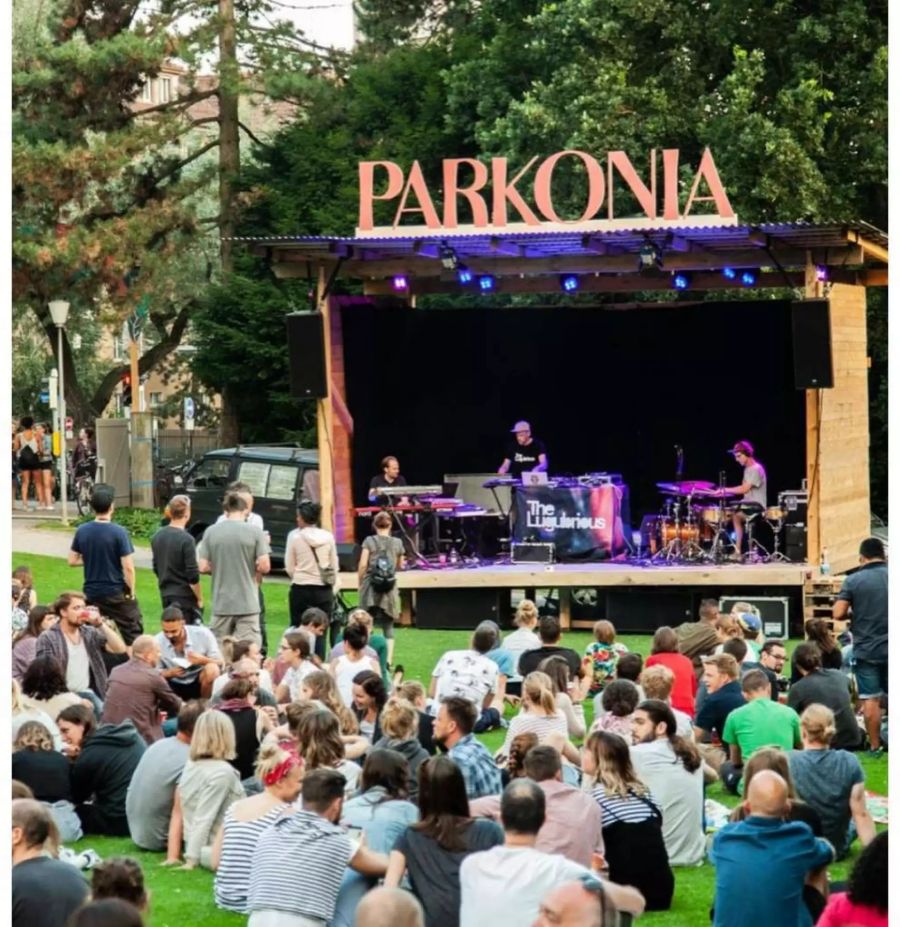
(126, 389)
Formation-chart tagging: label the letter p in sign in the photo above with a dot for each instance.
(188, 414)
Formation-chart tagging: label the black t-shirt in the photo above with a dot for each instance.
(524, 457)
(379, 480)
(829, 687)
(175, 563)
(45, 892)
(45, 772)
(530, 659)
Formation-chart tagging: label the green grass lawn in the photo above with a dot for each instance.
(181, 898)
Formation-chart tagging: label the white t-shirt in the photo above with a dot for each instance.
(78, 668)
(295, 675)
(465, 674)
(344, 671)
(505, 885)
(679, 795)
(517, 643)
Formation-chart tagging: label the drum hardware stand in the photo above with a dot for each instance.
(756, 553)
(777, 556)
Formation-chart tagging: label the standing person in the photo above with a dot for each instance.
(45, 891)
(137, 691)
(864, 596)
(311, 562)
(107, 555)
(698, 639)
(77, 642)
(175, 562)
(632, 821)
(664, 651)
(779, 853)
(453, 731)
(831, 781)
(507, 883)
(151, 793)
(670, 766)
(433, 850)
(45, 442)
(522, 639)
(28, 458)
(380, 560)
(300, 860)
(84, 455)
(525, 454)
(234, 551)
(192, 644)
(828, 687)
(104, 759)
(752, 488)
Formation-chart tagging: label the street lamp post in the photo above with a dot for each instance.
(59, 312)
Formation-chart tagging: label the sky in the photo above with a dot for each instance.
(326, 22)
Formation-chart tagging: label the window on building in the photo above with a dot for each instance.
(155, 400)
(118, 348)
(165, 89)
(147, 92)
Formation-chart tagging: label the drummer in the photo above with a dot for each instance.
(751, 489)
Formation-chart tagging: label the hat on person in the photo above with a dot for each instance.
(520, 426)
(749, 622)
(743, 447)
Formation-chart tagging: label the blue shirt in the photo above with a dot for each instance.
(867, 592)
(760, 866)
(102, 546)
(717, 706)
(503, 659)
(477, 766)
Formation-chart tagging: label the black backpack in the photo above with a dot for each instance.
(383, 574)
(28, 459)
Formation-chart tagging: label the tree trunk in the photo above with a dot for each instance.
(229, 165)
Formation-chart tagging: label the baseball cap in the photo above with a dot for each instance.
(521, 426)
(742, 447)
(749, 622)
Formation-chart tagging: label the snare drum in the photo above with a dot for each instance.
(668, 532)
(774, 513)
(710, 514)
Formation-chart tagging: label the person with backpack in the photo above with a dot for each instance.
(311, 561)
(380, 558)
(28, 447)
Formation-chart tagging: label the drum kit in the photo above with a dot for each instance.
(693, 521)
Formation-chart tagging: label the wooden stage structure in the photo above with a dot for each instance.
(837, 260)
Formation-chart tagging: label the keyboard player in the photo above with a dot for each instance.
(390, 476)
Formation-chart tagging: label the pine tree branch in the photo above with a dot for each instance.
(253, 137)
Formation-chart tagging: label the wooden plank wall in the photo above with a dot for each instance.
(838, 455)
(342, 435)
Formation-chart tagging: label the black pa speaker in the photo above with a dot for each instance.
(461, 609)
(306, 354)
(811, 329)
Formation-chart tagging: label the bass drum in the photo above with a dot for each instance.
(669, 531)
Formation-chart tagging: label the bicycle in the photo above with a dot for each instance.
(83, 483)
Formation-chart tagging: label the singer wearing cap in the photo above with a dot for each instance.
(526, 454)
(752, 487)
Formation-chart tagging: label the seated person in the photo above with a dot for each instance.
(721, 674)
(189, 657)
(472, 675)
(619, 700)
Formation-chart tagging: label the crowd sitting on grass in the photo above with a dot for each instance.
(303, 781)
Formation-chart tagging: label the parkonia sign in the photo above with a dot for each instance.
(502, 198)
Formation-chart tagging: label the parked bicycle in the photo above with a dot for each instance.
(82, 482)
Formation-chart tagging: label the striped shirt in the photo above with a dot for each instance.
(239, 842)
(540, 725)
(630, 810)
(298, 866)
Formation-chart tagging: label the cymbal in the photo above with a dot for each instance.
(686, 487)
(719, 494)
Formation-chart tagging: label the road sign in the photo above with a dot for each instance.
(44, 398)
(70, 428)
(188, 414)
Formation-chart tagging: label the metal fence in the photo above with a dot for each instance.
(174, 446)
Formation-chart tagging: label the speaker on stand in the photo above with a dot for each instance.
(811, 342)
(306, 354)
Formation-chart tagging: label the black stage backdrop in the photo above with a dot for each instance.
(605, 389)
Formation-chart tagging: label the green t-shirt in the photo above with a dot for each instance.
(762, 723)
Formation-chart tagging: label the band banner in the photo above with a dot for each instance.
(584, 522)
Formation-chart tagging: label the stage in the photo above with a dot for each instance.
(637, 598)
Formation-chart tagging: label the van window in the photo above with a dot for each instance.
(255, 475)
(282, 482)
(310, 486)
(211, 472)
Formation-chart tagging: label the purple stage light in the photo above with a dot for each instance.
(821, 273)
(400, 282)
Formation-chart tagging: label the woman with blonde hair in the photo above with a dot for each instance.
(319, 743)
(831, 781)
(22, 713)
(281, 774)
(539, 716)
(37, 764)
(522, 639)
(321, 687)
(399, 727)
(632, 821)
(208, 786)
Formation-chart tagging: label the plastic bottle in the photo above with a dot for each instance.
(824, 565)
(454, 557)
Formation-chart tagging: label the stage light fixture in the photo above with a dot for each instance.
(821, 273)
(400, 282)
(748, 278)
(649, 256)
(729, 273)
(681, 280)
(449, 257)
(463, 274)
(486, 283)
(569, 283)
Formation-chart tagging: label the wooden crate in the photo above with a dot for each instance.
(819, 595)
